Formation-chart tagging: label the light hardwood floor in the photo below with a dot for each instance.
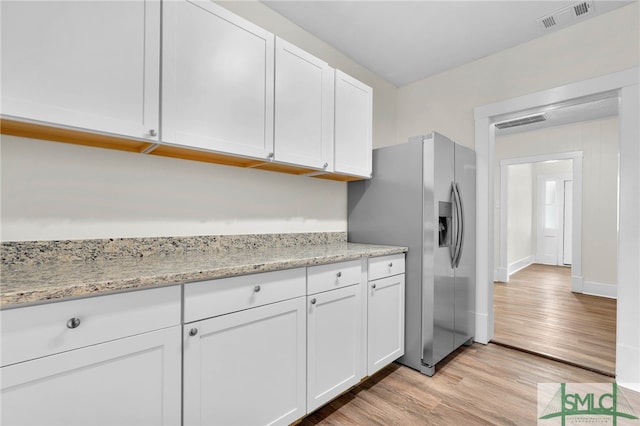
(477, 385)
(536, 311)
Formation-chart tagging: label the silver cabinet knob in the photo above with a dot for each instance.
(270, 155)
(193, 332)
(313, 301)
(256, 288)
(339, 274)
(152, 132)
(390, 264)
(325, 165)
(373, 285)
(73, 323)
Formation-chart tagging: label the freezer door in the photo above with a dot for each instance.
(438, 275)
(465, 288)
(387, 209)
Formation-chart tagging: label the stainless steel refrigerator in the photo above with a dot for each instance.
(422, 196)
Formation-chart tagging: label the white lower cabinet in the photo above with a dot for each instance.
(133, 380)
(259, 349)
(247, 367)
(385, 311)
(385, 322)
(334, 340)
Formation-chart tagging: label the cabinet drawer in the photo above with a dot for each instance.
(40, 330)
(334, 275)
(386, 266)
(206, 299)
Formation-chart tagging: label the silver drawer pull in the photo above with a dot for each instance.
(256, 288)
(73, 323)
(339, 274)
(313, 301)
(373, 286)
(390, 264)
(193, 332)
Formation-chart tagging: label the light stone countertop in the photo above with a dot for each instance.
(51, 281)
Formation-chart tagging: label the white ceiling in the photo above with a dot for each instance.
(406, 41)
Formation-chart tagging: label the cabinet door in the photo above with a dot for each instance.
(132, 381)
(303, 108)
(246, 368)
(334, 344)
(385, 322)
(91, 65)
(353, 126)
(218, 73)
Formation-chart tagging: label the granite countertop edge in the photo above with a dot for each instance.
(27, 285)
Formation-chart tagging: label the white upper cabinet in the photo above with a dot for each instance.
(218, 79)
(353, 126)
(303, 108)
(89, 65)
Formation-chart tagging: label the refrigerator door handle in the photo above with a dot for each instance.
(460, 214)
(454, 226)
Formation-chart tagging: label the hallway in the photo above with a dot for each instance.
(537, 312)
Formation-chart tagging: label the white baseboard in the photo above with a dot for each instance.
(482, 329)
(545, 259)
(599, 289)
(628, 366)
(500, 274)
(520, 264)
(576, 284)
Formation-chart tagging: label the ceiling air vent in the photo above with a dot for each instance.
(567, 14)
(582, 8)
(521, 121)
(548, 22)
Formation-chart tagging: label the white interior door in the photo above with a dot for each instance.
(568, 222)
(550, 224)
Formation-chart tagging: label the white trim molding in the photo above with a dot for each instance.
(624, 85)
(599, 289)
(576, 282)
(519, 265)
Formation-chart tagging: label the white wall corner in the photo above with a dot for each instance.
(628, 367)
(502, 275)
(577, 283)
(483, 328)
(520, 264)
(599, 289)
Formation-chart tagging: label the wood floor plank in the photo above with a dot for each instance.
(477, 385)
(493, 384)
(537, 311)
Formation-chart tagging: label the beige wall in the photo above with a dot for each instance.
(58, 191)
(599, 142)
(520, 238)
(445, 102)
(384, 93)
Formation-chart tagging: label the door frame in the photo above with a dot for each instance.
(502, 273)
(624, 84)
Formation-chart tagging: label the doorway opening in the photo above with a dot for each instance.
(625, 85)
(538, 302)
(521, 236)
